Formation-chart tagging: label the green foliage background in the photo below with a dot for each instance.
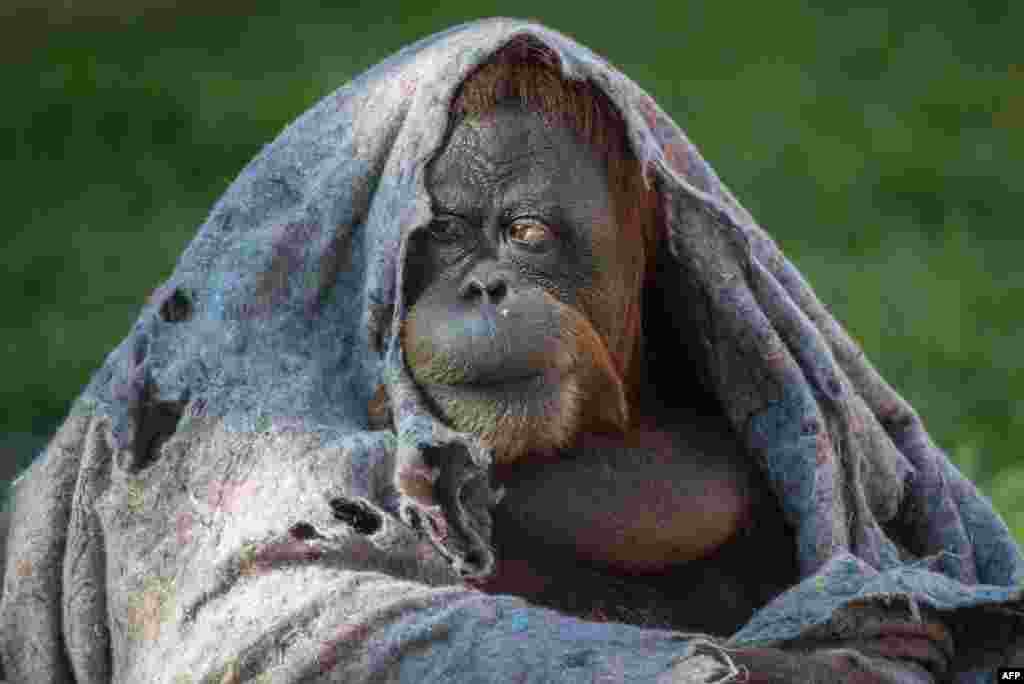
(882, 147)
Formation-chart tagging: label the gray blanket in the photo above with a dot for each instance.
(219, 507)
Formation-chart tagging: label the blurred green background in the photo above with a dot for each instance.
(882, 147)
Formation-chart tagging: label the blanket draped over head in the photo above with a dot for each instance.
(218, 506)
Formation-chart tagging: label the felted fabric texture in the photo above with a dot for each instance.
(218, 508)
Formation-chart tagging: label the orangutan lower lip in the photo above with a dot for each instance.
(504, 382)
(527, 388)
(548, 377)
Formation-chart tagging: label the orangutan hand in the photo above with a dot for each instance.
(890, 652)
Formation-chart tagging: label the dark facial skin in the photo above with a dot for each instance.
(514, 284)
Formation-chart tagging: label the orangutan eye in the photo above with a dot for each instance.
(530, 232)
(446, 228)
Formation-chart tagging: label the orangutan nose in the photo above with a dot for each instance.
(490, 288)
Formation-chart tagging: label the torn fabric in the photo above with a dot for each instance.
(218, 503)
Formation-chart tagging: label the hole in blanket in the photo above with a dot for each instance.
(304, 531)
(176, 308)
(357, 514)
